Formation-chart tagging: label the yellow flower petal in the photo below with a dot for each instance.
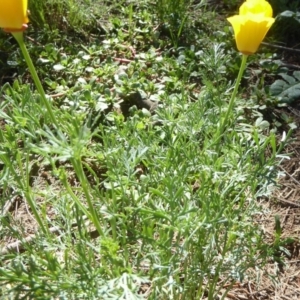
(256, 7)
(13, 13)
(249, 31)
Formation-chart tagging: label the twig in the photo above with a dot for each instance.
(8, 205)
(289, 203)
(250, 289)
(132, 50)
(57, 95)
(281, 47)
(292, 262)
(19, 245)
(291, 176)
(34, 41)
(290, 66)
(122, 60)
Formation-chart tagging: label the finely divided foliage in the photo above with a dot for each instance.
(135, 193)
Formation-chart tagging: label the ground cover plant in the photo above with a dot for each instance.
(130, 178)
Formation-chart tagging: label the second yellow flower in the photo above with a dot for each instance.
(251, 25)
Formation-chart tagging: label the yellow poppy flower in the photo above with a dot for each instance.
(13, 14)
(251, 25)
(256, 7)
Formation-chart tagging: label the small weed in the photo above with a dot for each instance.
(174, 17)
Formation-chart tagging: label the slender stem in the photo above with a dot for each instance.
(233, 96)
(19, 37)
(24, 185)
(77, 165)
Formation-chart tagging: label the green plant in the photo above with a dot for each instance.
(65, 15)
(138, 200)
(286, 27)
(287, 89)
(174, 16)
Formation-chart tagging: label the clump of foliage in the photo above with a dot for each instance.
(134, 196)
(286, 29)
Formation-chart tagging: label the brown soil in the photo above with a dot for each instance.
(280, 280)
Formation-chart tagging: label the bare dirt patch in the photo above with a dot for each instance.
(280, 279)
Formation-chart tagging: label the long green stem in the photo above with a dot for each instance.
(77, 165)
(19, 37)
(233, 96)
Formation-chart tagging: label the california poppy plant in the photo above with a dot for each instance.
(14, 19)
(251, 25)
(13, 15)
